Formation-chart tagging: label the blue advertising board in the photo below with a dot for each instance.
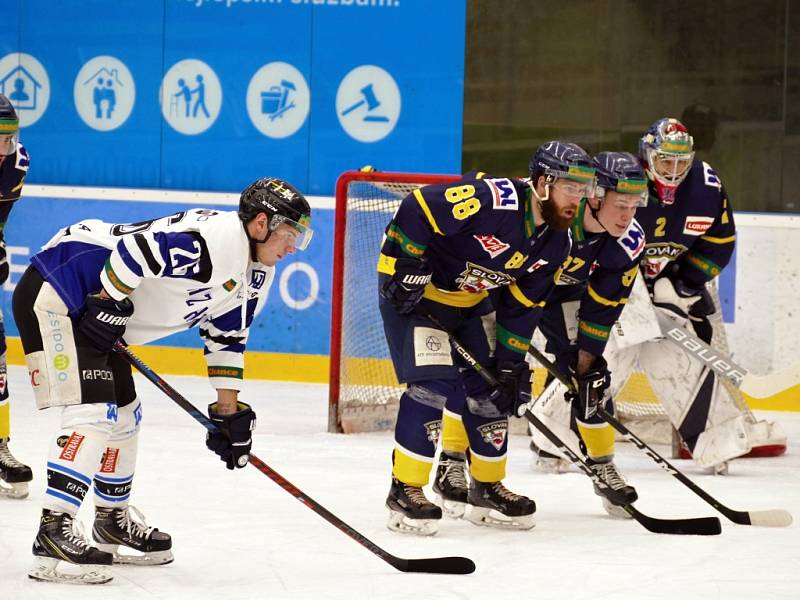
(211, 94)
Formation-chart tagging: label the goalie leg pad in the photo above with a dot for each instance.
(554, 411)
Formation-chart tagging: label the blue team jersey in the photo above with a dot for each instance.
(13, 170)
(600, 271)
(697, 230)
(478, 235)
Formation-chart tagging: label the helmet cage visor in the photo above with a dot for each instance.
(577, 181)
(302, 234)
(669, 168)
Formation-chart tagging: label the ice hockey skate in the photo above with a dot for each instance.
(125, 528)
(63, 554)
(14, 476)
(450, 484)
(619, 494)
(493, 505)
(548, 463)
(410, 511)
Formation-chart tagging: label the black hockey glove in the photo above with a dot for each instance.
(591, 387)
(233, 441)
(514, 390)
(104, 321)
(404, 289)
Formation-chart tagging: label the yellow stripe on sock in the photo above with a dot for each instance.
(5, 426)
(411, 470)
(485, 469)
(454, 436)
(599, 440)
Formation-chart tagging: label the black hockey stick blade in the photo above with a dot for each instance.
(760, 518)
(449, 565)
(693, 526)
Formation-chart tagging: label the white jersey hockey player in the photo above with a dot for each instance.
(95, 283)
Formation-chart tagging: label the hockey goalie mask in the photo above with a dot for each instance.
(666, 150)
(9, 127)
(283, 204)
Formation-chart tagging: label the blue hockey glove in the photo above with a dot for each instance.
(104, 320)
(233, 441)
(405, 288)
(514, 390)
(591, 388)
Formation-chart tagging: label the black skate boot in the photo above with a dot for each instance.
(410, 511)
(618, 493)
(126, 527)
(450, 484)
(63, 554)
(493, 505)
(14, 476)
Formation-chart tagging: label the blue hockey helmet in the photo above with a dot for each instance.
(9, 127)
(667, 153)
(620, 172)
(562, 160)
(282, 203)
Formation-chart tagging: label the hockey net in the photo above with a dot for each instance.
(364, 392)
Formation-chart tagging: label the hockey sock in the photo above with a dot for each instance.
(74, 454)
(112, 482)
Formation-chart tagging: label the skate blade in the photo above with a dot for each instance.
(163, 557)
(401, 524)
(488, 517)
(452, 509)
(59, 571)
(554, 466)
(17, 491)
(615, 511)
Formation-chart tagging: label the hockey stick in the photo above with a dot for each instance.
(452, 565)
(762, 518)
(693, 526)
(755, 386)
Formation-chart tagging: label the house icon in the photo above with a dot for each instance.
(107, 75)
(21, 88)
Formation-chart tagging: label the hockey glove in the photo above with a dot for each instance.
(680, 298)
(514, 391)
(104, 321)
(591, 388)
(233, 441)
(404, 289)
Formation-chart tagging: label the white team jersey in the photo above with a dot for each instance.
(180, 271)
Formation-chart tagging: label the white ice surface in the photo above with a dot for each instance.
(237, 535)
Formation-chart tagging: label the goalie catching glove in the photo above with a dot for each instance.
(591, 388)
(105, 320)
(676, 295)
(514, 389)
(232, 441)
(405, 288)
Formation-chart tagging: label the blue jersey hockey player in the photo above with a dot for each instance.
(447, 247)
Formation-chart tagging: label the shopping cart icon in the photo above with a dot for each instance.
(275, 101)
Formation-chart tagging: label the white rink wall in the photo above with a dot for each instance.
(765, 334)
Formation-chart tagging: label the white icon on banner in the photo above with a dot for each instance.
(24, 81)
(368, 103)
(104, 93)
(191, 96)
(278, 100)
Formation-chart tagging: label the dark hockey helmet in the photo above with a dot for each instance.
(562, 160)
(282, 203)
(9, 127)
(666, 151)
(620, 172)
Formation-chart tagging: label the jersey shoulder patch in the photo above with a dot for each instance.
(632, 240)
(710, 177)
(504, 194)
(23, 160)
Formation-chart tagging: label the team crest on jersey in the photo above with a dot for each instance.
(697, 225)
(632, 241)
(432, 430)
(494, 433)
(476, 278)
(493, 246)
(504, 194)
